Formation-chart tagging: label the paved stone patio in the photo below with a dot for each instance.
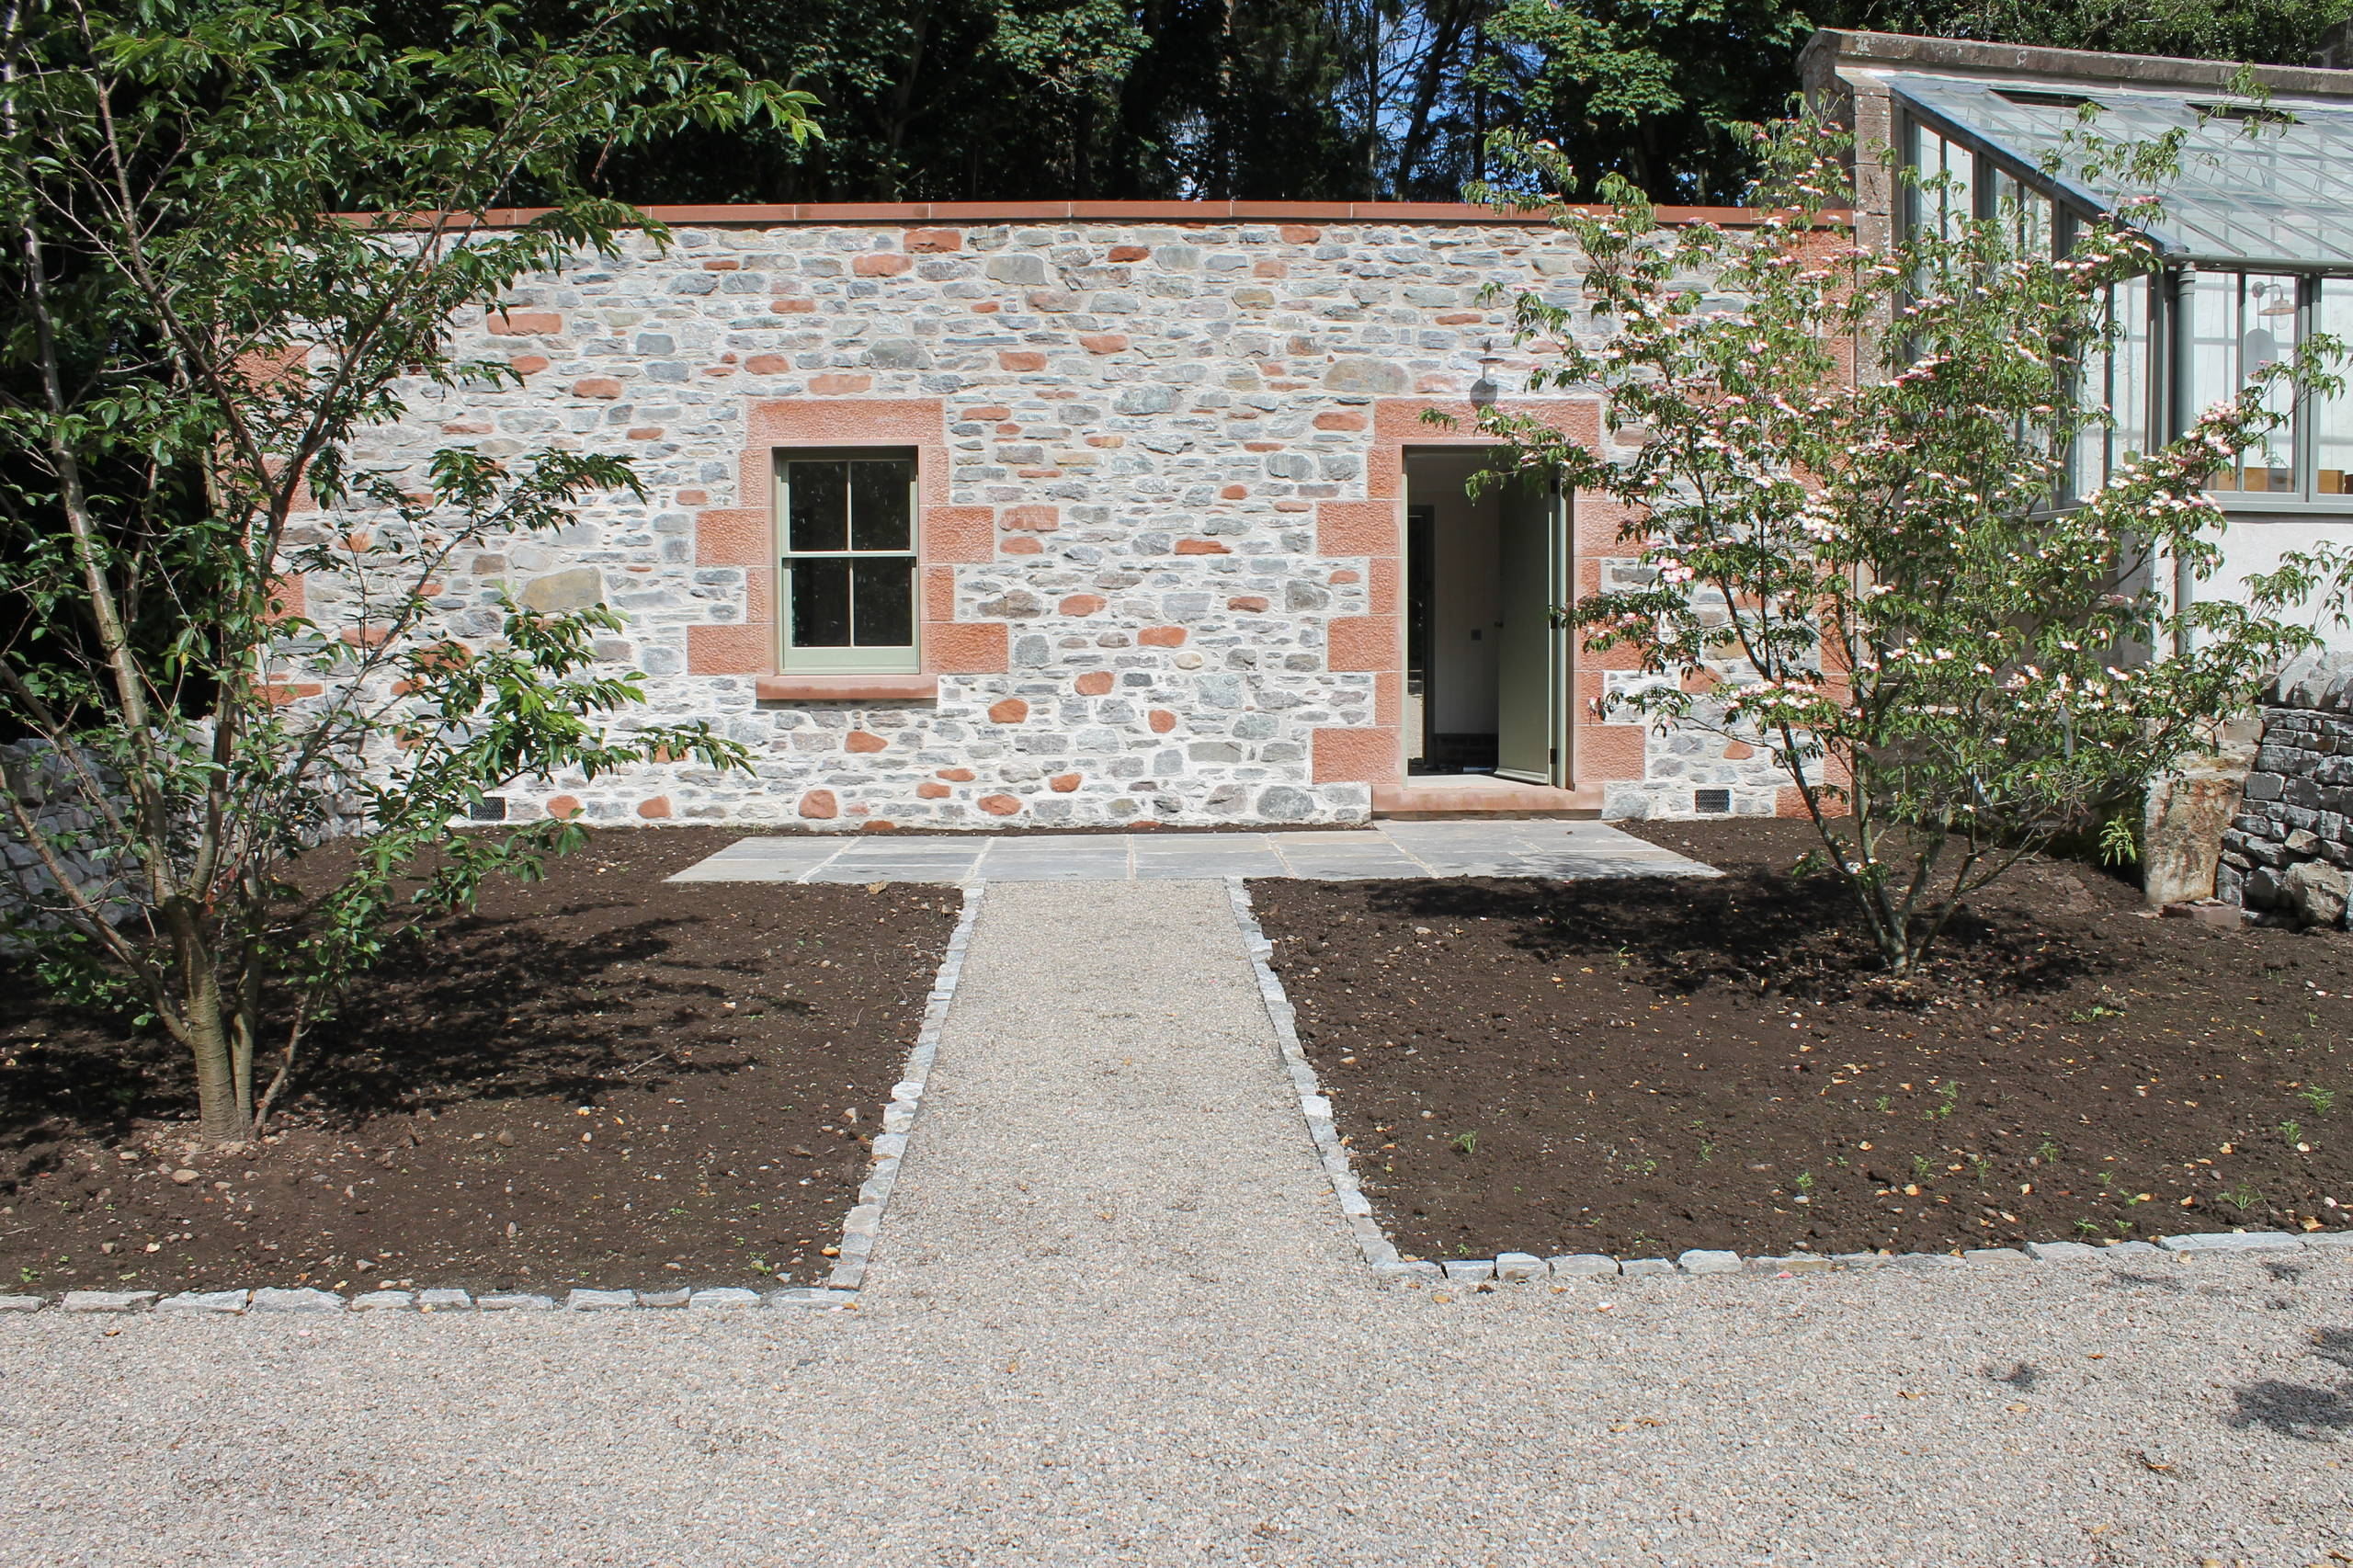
(1535, 849)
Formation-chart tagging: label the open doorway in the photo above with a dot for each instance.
(1487, 675)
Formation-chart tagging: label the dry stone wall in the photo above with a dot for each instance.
(2289, 851)
(52, 792)
(1159, 576)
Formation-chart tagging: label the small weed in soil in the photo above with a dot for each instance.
(1644, 1065)
(600, 1079)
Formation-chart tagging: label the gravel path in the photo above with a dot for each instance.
(1114, 1318)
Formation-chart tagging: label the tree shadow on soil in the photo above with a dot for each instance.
(1753, 929)
(2307, 1413)
(59, 1085)
(495, 1010)
(483, 1008)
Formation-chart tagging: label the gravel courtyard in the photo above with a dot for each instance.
(1114, 1317)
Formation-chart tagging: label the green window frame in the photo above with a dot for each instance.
(847, 525)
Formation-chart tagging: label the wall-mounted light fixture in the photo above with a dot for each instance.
(1483, 390)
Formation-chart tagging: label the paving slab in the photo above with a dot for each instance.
(1385, 850)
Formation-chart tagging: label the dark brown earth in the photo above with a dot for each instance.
(600, 1079)
(1642, 1067)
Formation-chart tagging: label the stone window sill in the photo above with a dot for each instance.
(848, 689)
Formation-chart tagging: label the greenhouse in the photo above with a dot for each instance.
(2256, 229)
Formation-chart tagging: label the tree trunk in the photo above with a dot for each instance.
(222, 1115)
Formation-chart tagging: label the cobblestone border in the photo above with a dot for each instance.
(1388, 1268)
(840, 1289)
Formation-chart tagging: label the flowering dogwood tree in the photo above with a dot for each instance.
(1870, 554)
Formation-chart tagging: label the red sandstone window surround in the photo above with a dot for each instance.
(750, 642)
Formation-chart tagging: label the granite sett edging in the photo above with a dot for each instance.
(1388, 1268)
(839, 1291)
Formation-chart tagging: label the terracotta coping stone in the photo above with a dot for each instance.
(847, 689)
(773, 215)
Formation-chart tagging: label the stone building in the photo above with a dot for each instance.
(1100, 514)
(1070, 514)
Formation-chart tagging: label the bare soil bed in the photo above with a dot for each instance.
(1645, 1065)
(601, 1080)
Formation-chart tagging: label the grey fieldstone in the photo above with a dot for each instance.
(2316, 891)
(1144, 400)
(809, 1296)
(1283, 804)
(514, 1301)
(384, 1301)
(276, 1300)
(1862, 1259)
(1793, 1263)
(1929, 1260)
(1017, 268)
(445, 1301)
(1469, 1270)
(1700, 1260)
(107, 1301)
(724, 1296)
(2061, 1252)
(1366, 376)
(1592, 1265)
(2312, 1239)
(205, 1301)
(600, 1301)
(2232, 1241)
(1405, 1273)
(1519, 1266)
(2133, 1250)
(21, 1303)
(1994, 1254)
(668, 1298)
(1639, 1266)
(898, 354)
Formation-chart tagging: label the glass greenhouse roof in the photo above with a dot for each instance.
(2270, 185)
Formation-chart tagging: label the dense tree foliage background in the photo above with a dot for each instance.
(947, 100)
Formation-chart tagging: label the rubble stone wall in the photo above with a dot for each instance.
(1162, 496)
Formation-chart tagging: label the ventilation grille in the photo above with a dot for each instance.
(1711, 802)
(490, 808)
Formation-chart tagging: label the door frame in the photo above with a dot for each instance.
(1560, 674)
